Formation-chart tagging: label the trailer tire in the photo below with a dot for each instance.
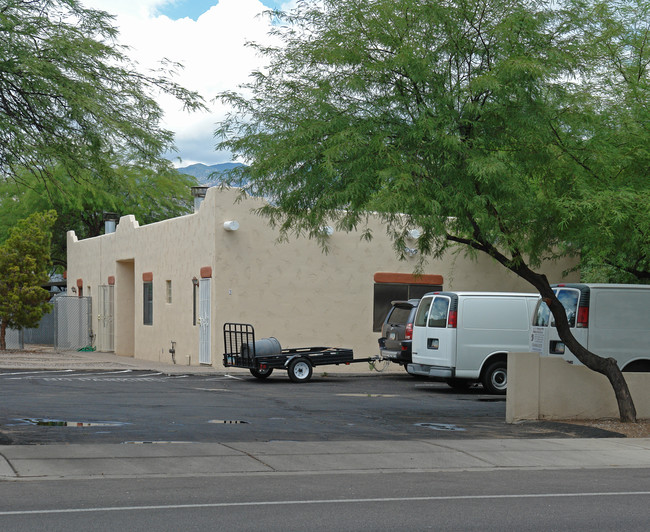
(261, 373)
(300, 370)
(495, 378)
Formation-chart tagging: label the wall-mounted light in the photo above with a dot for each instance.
(328, 230)
(413, 234)
(411, 252)
(231, 225)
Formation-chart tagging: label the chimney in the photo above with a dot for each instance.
(110, 222)
(199, 193)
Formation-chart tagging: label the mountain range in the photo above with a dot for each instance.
(208, 174)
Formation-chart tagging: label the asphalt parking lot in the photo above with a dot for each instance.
(118, 406)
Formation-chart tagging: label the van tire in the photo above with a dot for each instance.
(300, 370)
(495, 378)
(459, 384)
(638, 366)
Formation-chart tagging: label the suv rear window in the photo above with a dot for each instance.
(399, 315)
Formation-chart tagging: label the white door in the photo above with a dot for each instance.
(440, 338)
(105, 335)
(433, 340)
(204, 322)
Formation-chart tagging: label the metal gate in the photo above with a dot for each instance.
(106, 328)
(73, 322)
(204, 322)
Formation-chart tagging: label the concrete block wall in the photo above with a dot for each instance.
(551, 388)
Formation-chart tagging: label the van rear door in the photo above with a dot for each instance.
(545, 338)
(434, 336)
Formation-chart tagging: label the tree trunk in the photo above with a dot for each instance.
(605, 366)
(3, 336)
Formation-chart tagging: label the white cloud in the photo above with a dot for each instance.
(211, 49)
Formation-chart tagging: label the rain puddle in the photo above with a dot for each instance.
(43, 422)
(440, 426)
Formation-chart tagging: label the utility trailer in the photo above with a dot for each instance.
(261, 357)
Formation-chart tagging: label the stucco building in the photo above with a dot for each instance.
(176, 282)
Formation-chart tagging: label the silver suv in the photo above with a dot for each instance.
(397, 332)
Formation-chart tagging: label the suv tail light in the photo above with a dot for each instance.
(408, 334)
(583, 317)
(452, 319)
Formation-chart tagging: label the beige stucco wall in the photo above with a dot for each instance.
(550, 388)
(290, 290)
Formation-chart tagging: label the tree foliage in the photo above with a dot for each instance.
(24, 265)
(70, 97)
(81, 203)
(517, 128)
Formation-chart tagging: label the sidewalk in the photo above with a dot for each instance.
(284, 457)
(36, 357)
(52, 462)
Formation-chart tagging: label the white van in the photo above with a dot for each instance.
(610, 320)
(465, 337)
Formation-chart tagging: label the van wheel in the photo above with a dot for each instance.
(300, 370)
(459, 384)
(638, 366)
(261, 373)
(495, 378)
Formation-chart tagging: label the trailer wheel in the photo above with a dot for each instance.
(495, 378)
(261, 373)
(300, 370)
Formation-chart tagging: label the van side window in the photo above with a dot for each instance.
(423, 311)
(438, 314)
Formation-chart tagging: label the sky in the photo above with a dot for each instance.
(208, 38)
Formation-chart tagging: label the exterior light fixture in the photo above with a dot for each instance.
(411, 252)
(328, 230)
(231, 225)
(413, 234)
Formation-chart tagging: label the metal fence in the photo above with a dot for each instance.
(44, 333)
(68, 326)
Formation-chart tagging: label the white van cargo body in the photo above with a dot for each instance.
(465, 337)
(610, 320)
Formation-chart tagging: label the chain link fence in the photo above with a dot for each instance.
(44, 333)
(67, 327)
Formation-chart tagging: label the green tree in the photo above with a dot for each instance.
(24, 264)
(81, 203)
(501, 126)
(69, 95)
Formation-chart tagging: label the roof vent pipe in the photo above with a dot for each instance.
(110, 222)
(199, 193)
